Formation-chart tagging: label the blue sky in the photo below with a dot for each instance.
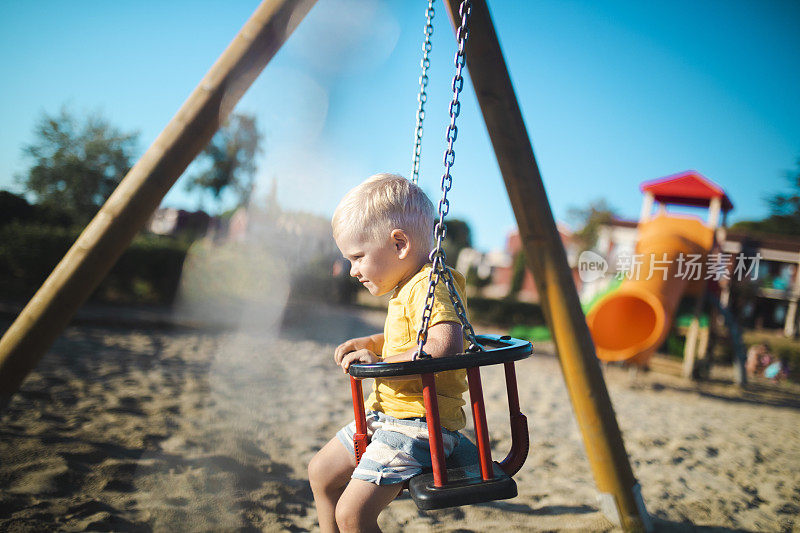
(613, 93)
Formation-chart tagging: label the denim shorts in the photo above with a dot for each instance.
(398, 449)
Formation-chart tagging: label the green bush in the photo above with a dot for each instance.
(148, 272)
(28, 253)
(15, 208)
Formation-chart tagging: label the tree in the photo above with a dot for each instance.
(231, 160)
(459, 236)
(589, 220)
(784, 211)
(77, 162)
(13, 208)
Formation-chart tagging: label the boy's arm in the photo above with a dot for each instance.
(377, 340)
(371, 343)
(444, 338)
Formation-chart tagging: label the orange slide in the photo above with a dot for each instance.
(630, 323)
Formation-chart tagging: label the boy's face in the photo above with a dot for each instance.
(379, 265)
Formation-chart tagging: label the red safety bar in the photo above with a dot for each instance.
(479, 420)
(434, 430)
(520, 439)
(360, 439)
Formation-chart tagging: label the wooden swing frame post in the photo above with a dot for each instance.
(138, 195)
(619, 492)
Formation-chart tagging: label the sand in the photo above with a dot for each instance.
(178, 429)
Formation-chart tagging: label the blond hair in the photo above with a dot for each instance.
(382, 203)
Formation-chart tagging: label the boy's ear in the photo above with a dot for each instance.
(401, 243)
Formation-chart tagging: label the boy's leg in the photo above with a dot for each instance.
(329, 472)
(361, 503)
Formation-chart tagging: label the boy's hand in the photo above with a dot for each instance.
(359, 356)
(361, 343)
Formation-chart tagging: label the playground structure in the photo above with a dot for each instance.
(630, 323)
(632, 320)
(141, 191)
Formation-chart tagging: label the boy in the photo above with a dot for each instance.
(384, 228)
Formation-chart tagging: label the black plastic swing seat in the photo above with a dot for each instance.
(464, 484)
(464, 487)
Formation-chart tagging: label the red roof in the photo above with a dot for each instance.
(686, 188)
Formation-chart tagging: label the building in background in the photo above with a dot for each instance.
(173, 222)
(498, 268)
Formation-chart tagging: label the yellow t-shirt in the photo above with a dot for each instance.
(402, 398)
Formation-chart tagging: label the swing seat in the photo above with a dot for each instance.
(464, 484)
(469, 475)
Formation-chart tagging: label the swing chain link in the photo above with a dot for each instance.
(437, 255)
(423, 95)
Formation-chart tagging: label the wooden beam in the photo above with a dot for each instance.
(545, 255)
(138, 195)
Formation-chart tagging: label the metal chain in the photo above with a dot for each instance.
(423, 96)
(437, 255)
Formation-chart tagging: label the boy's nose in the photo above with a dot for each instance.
(353, 270)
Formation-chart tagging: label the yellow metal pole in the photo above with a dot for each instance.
(142, 189)
(619, 497)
